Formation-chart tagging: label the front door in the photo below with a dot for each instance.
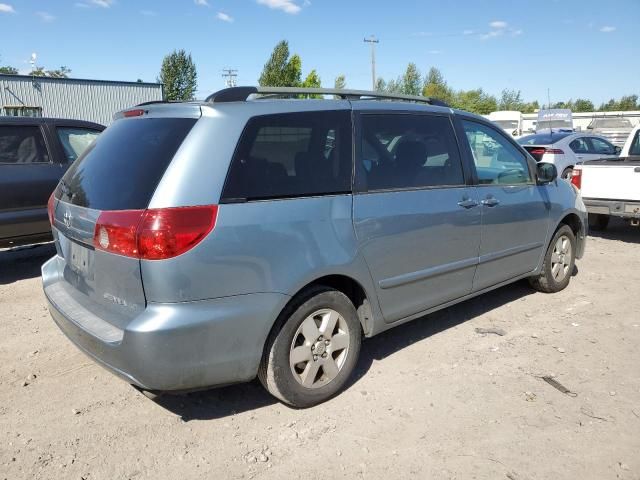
(416, 220)
(515, 212)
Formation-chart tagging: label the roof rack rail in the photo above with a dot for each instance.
(241, 94)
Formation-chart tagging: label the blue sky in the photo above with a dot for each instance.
(576, 48)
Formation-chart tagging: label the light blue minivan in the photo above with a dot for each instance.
(266, 231)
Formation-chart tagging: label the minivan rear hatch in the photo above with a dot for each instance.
(117, 174)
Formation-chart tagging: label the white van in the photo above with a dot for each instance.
(508, 120)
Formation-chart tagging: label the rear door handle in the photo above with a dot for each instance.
(490, 202)
(468, 203)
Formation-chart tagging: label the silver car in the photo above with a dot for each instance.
(207, 243)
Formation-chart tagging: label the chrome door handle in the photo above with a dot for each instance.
(468, 203)
(490, 202)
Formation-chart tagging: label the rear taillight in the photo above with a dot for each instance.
(138, 112)
(576, 177)
(153, 234)
(51, 207)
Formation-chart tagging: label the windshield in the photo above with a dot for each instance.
(507, 124)
(542, 139)
(611, 123)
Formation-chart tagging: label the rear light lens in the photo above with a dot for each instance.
(554, 151)
(138, 112)
(153, 234)
(576, 178)
(51, 207)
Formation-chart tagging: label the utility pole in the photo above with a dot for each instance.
(230, 76)
(372, 40)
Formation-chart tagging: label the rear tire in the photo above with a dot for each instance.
(598, 221)
(310, 358)
(558, 264)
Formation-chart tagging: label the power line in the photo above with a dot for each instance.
(230, 76)
(372, 40)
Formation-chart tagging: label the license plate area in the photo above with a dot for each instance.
(79, 259)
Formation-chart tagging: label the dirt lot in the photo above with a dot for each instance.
(432, 399)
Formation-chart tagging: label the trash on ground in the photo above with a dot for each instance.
(494, 330)
(558, 386)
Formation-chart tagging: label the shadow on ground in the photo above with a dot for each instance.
(618, 229)
(222, 402)
(22, 263)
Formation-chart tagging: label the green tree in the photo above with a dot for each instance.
(381, 85)
(280, 70)
(511, 100)
(312, 81)
(628, 102)
(582, 105)
(62, 72)
(179, 76)
(476, 101)
(293, 72)
(394, 86)
(531, 107)
(38, 72)
(610, 106)
(436, 87)
(412, 80)
(8, 70)
(340, 83)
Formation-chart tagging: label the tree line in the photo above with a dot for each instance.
(478, 101)
(283, 69)
(62, 72)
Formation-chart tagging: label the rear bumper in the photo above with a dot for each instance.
(177, 346)
(616, 208)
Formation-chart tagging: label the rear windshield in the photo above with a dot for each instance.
(543, 139)
(121, 170)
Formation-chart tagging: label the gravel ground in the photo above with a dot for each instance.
(431, 399)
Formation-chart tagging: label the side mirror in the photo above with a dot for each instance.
(546, 173)
(589, 127)
(617, 150)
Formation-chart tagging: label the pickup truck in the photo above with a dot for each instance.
(34, 154)
(611, 186)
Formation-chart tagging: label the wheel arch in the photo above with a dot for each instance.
(577, 226)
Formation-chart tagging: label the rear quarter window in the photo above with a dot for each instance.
(291, 155)
(22, 145)
(122, 169)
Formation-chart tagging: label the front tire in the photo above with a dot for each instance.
(559, 262)
(310, 358)
(598, 221)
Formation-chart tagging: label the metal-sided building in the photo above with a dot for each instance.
(92, 100)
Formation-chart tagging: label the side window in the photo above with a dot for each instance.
(22, 145)
(292, 155)
(579, 145)
(635, 145)
(496, 159)
(601, 147)
(409, 151)
(75, 140)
